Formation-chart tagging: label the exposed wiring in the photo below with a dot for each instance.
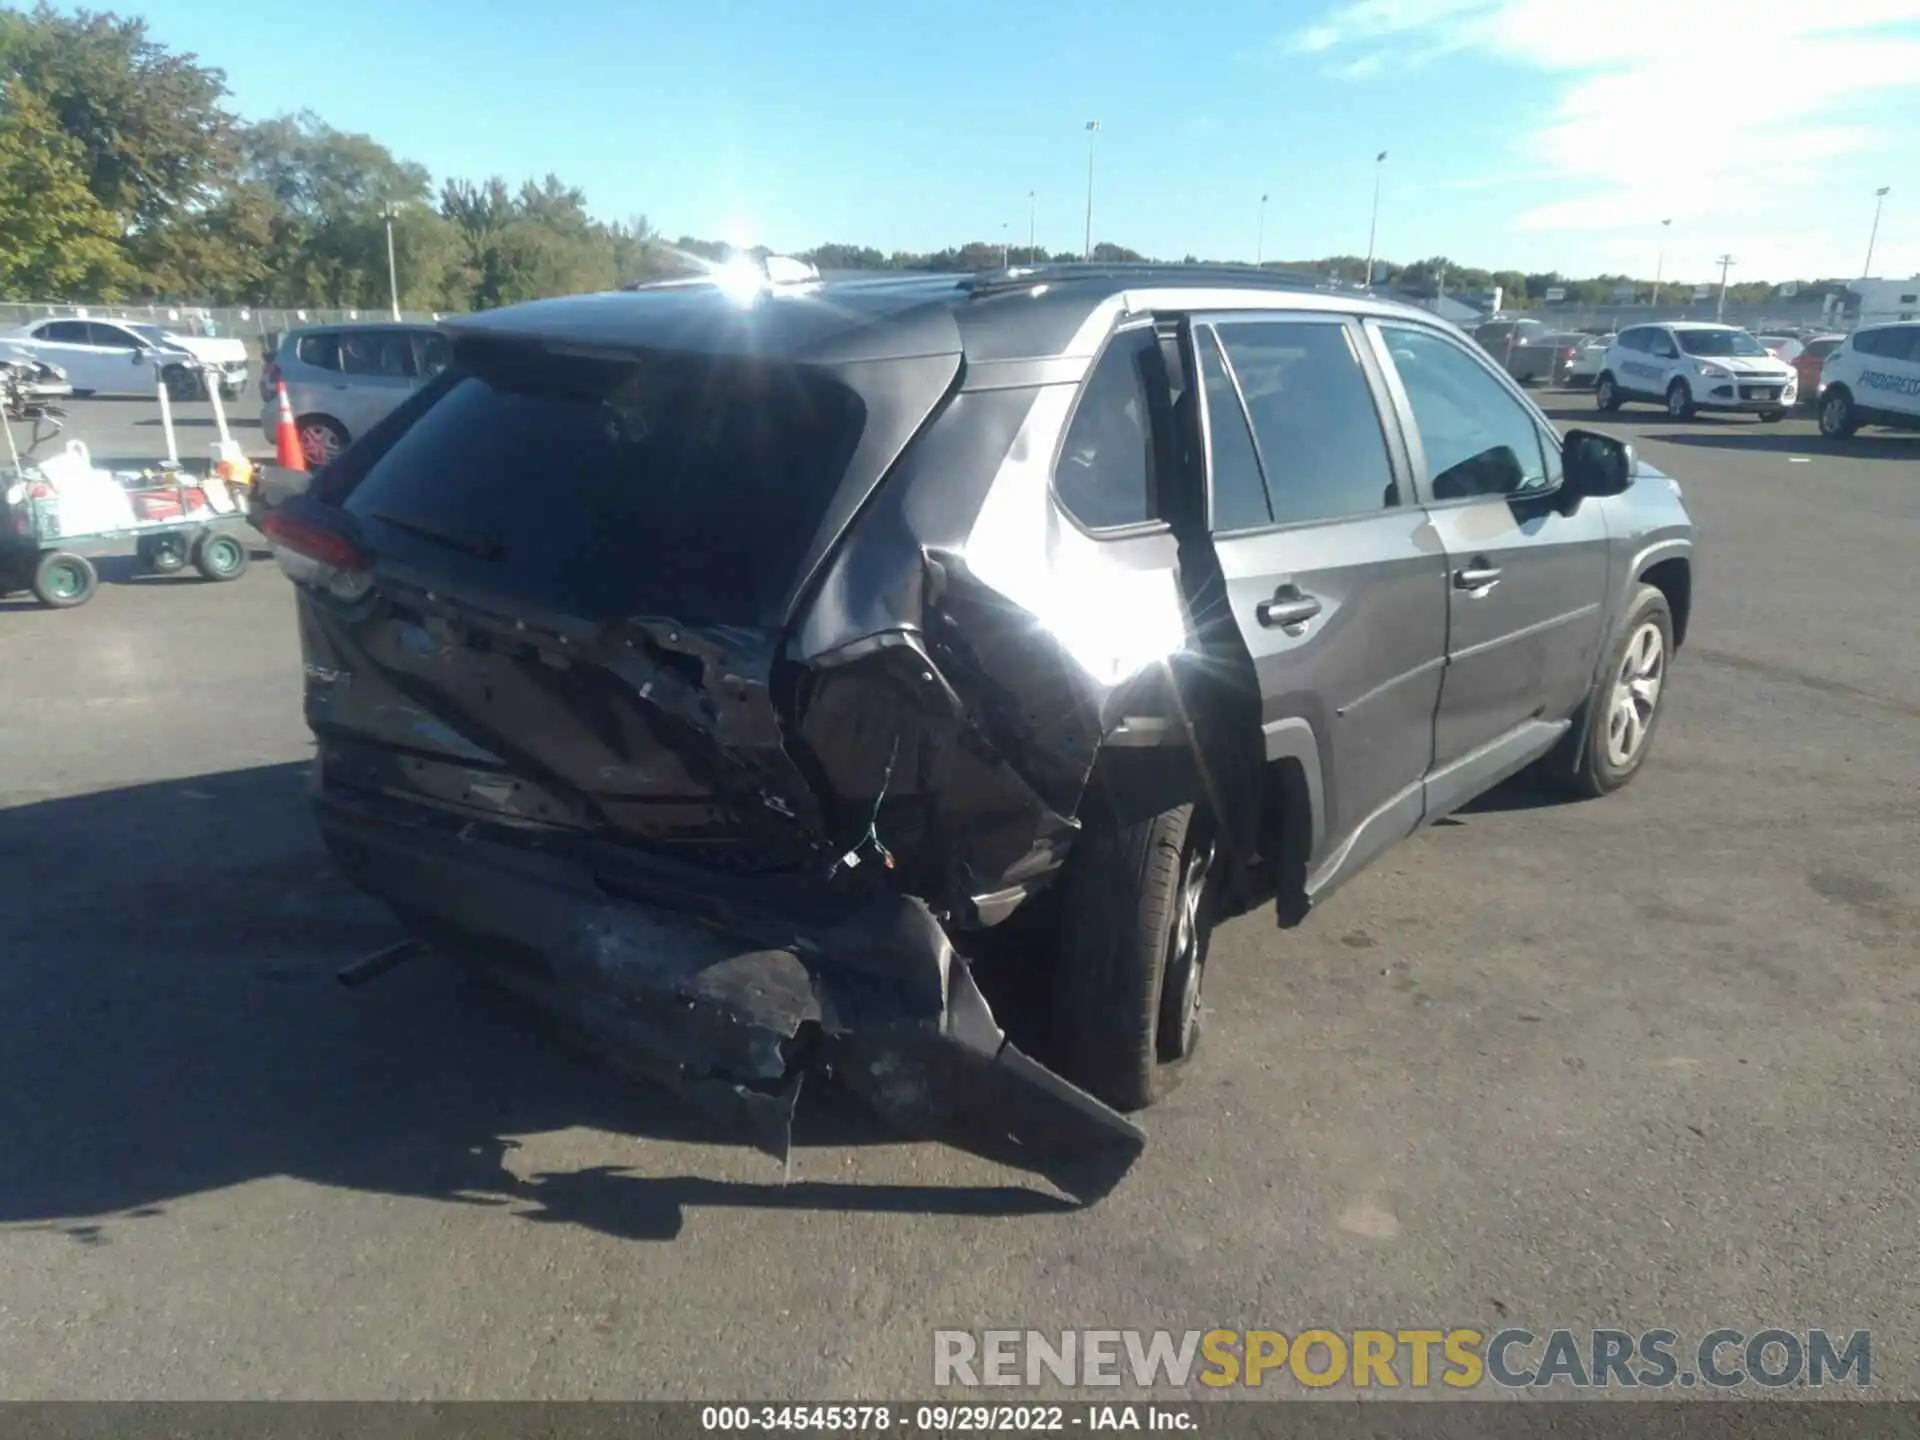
(872, 835)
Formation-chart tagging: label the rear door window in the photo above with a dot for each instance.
(386, 353)
(1239, 490)
(1314, 419)
(322, 351)
(672, 485)
(435, 352)
(65, 332)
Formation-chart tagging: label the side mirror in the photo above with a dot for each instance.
(1596, 464)
(139, 357)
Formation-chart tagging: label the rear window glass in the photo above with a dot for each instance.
(677, 486)
(321, 351)
(1820, 349)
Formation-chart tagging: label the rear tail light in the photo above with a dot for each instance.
(316, 557)
(1568, 353)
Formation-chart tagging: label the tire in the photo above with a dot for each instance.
(1609, 758)
(183, 384)
(63, 580)
(220, 556)
(1772, 417)
(1838, 418)
(162, 554)
(1606, 393)
(321, 439)
(1679, 401)
(1135, 919)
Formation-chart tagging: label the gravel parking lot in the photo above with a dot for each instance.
(1648, 1061)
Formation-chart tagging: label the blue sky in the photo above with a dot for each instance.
(1532, 133)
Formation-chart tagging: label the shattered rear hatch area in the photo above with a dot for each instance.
(561, 734)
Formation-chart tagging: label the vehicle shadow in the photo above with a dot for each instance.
(1858, 447)
(175, 1027)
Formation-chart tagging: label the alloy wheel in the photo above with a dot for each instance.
(1186, 957)
(1636, 695)
(319, 444)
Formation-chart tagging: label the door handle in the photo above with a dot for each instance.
(1478, 575)
(1288, 609)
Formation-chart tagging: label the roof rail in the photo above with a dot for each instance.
(1141, 272)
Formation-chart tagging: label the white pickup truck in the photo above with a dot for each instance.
(120, 357)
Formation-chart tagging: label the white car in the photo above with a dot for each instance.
(1588, 361)
(1872, 379)
(124, 357)
(1689, 367)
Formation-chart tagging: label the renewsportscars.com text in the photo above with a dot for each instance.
(1413, 1358)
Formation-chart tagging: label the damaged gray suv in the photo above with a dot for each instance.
(732, 670)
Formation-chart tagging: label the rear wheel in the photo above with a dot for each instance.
(1837, 417)
(1135, 921)
(63, 580)
(1679, 401)
(1606, 393)
(220, 557)
(320, 439)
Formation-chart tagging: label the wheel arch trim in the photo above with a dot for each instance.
(1292, 739)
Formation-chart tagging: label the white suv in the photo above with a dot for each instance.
(1872, 379)
(1690, 367)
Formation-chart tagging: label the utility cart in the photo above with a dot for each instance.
(59, 514)
(60, 511)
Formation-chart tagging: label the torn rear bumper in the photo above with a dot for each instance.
(686, 979)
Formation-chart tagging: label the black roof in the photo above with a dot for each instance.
(1023, 311)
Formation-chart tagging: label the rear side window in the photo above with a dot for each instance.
(65, 332)
(321, 351)
(673, 485)
(1104, 478)
(1896, 342)
(387, 353)
(1314, 420)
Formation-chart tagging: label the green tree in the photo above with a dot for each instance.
(56, 239)
(147, 127)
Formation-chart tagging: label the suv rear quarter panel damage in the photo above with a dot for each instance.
(970, 648)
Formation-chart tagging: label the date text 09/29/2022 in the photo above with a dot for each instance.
(946, 1419)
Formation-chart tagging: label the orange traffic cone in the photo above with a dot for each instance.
(288, 452)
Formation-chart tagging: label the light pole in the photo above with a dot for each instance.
(1720, 310)
(1093, 138)
(393, 275)
(1006, 251)
(1879, 199)
(1031, 207)
(1260, 241)
(1373, 222)
(1660, 265)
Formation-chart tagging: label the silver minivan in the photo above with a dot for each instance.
(342, 379)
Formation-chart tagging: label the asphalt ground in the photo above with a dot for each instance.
(1649, 1061)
